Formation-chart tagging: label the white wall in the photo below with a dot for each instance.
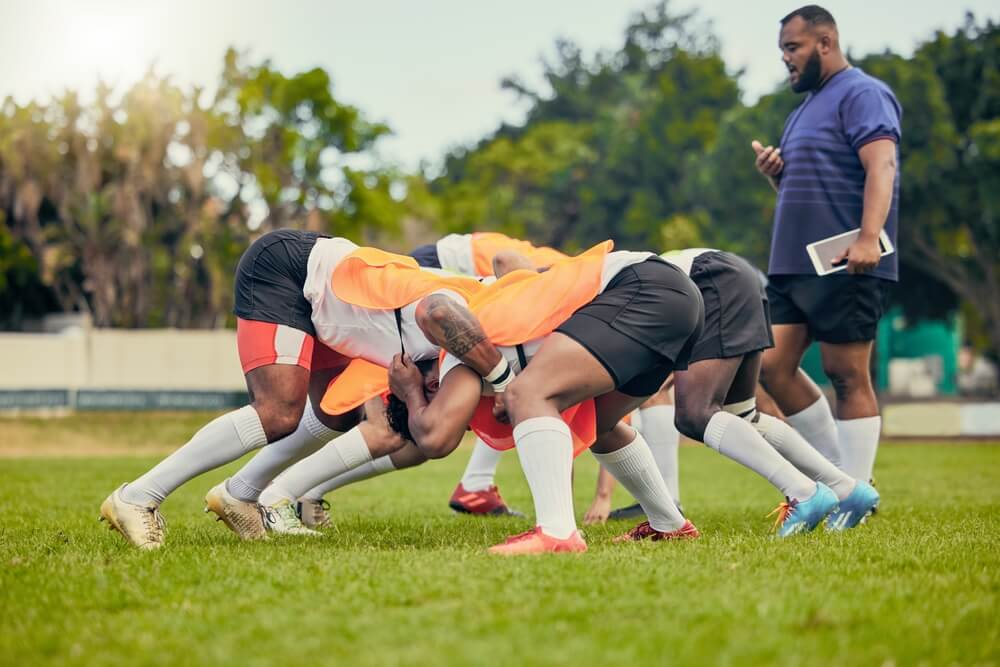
(121, 359)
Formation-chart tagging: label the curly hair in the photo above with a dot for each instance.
(396, 412)
(398, 416)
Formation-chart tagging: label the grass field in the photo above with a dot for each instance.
(401, 581)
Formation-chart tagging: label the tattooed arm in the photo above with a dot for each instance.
(450, 325)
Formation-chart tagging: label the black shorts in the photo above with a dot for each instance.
(841, 308)
(642, 327)
(737, 319)
(427, 256)
(270, 278)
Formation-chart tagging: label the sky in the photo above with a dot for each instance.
(430, 69)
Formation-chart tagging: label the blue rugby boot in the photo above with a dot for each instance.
(801, 516)
(854, 508)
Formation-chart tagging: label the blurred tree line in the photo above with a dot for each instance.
(136, 207)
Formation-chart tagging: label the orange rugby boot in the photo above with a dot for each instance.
(485, 502)
(536, 542)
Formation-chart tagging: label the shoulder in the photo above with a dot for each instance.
(862, 84)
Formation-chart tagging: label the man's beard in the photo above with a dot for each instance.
(810, 76)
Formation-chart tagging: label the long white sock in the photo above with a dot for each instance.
(802, 455)
(221, 441)
(338, 456)
(261, 470)
(736, 439)
(657, 427)
(816, 425)
(482, 467)
(545, 449)
(379, 466)
(858, 445)
(635, 468)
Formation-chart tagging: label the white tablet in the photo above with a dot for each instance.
(823, 252)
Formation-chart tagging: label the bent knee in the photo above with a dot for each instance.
(279, 419)
(692, 423)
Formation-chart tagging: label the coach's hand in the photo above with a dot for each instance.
(863, 255)
(404, 377)
(768, 160)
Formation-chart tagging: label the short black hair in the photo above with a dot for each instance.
(814, 15)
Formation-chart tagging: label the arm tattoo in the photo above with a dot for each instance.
(459, 329)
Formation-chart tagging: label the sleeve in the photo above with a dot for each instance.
(450, 362)
(873, 113)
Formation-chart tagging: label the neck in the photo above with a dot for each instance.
(836, 67)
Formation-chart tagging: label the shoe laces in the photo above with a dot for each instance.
(153, 523)
(286, 512)
(642, 531)
(244, 520)
(783, 510)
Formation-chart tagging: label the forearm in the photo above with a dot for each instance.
(430, 431)
(879, 160)
(878, 201)
(453, 327)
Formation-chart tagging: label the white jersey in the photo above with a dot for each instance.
(614, 263)
(455, 254)
(683, 259)
(355, 332)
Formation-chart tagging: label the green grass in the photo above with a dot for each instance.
(400, 581)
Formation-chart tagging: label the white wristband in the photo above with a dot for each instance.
(500, 376)
(498, 371)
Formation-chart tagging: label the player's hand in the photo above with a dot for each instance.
(500, 409)
(599, 510)
(768, 160)
(404, 376)
(863, 255)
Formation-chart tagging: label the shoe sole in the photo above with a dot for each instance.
(213, 503)
(500, 511)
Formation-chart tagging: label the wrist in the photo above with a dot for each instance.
(869, 235)
(501, 376)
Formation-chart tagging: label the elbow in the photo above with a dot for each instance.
(437, 446)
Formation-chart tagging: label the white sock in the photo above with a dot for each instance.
(379, 466)
(657, 428)
(545, 449)
(858, 444)
(261, 470)
(221, 441)
(802, 455)
(635, 468)
(734, 438)
(816, 425)
(481, 468)
(345, 453)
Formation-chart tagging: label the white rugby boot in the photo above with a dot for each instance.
(243, 518)
(142, 525)
(281, 519)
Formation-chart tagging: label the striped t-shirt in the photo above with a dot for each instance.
(821, 188)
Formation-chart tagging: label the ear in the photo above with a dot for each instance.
(825, 43)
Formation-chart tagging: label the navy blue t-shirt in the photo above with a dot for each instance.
(821, 188)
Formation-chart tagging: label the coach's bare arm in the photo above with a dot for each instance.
(879, 160)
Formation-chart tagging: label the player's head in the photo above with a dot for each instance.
(396, 412)
(808, 41)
